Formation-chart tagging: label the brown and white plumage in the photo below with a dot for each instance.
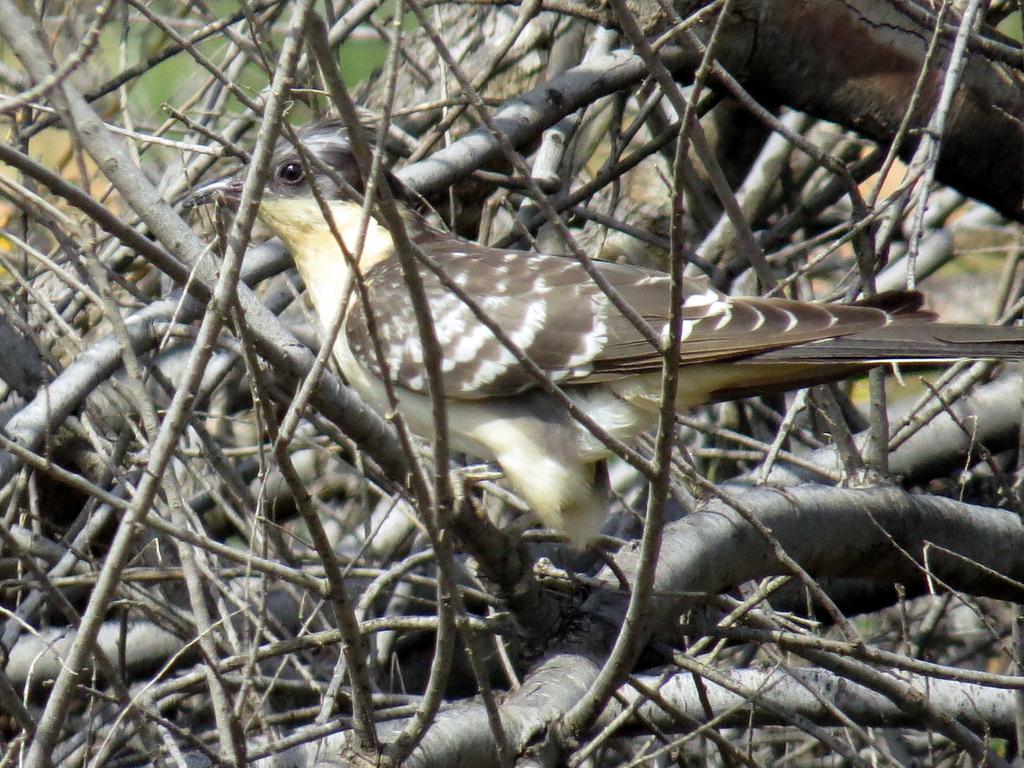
(558, 316)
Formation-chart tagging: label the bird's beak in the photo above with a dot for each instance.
(226, 191)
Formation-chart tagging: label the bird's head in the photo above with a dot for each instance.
(322, 165)
(325, 161)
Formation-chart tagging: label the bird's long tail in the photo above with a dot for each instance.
(910, 341)
(911, 336)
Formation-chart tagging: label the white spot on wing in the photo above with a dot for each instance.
(723, 308)
(593, 340)
(702, 299)
(760, 319)
(470, 344)
(533, 321)
(489, 370)
(684, 330)
(394, 352)
(481, 340)
(450, 326)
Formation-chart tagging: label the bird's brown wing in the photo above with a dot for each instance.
(545, 305)
(555, 313)
(718, 328)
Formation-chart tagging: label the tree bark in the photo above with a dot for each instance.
(856, 63)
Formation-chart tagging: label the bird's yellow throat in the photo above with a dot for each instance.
(300, 223)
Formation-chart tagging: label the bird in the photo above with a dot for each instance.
(551, 309)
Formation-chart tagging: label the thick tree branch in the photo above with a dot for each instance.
(856, 62)
(877, 533)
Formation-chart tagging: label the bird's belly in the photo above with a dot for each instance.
(619, 417)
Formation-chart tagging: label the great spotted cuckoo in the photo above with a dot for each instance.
(557, 315)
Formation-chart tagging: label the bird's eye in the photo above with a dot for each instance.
(291, 173)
